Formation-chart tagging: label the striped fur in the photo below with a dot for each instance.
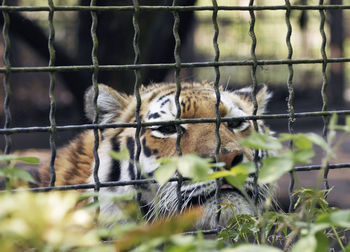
(75, 161)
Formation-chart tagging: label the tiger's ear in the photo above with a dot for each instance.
(109, 103)
(263, 95)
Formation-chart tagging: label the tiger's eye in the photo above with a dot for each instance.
(235, 124)
(169, 129)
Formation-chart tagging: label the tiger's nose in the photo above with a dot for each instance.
(231, 159)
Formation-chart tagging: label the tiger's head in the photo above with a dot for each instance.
(197, 100)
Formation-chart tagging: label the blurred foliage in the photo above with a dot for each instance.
(47, 222)
(55, 221)
(9, 172)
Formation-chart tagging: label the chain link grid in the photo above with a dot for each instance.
(177, 66)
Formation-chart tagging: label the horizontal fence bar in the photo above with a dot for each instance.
(171, 122)
(173, 8)
(205, 232)
(318, 167)
(247, 62)
(147, 181)
(91, 186)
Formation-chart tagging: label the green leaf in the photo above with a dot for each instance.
(322, 243)
(262, 142)
(316, 139)
(242, 168)
(23, 175)
(318, 227)
(300, 140)
(303, 156)
(347, 124)
(273, 168)
(219, 174)
(194, 167)
(341, 218)
(347, 121)
(237, 175)
(305, 244)
(324, 218)
(121, 155)
(165, 172)
(333, 122)
(16, 173)
(240, 174)
(28, 160)
(237, 181)
(252, 248)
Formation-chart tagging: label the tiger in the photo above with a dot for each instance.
(75, 162)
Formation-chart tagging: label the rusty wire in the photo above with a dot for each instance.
(52, 114)
(174, 8)
(290, 86)
(177, 58)
(324, 86)
(7, 75)
(217, 104)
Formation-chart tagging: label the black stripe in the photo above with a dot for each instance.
(164, 102)
(144, 207)
(147, 151)
(245, 129)
(114, 173)
(130, 144)
(160, 98)
(143, 131)
(154, 115)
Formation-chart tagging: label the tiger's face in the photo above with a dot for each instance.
(197, 100)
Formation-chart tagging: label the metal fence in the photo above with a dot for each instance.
(216, 63)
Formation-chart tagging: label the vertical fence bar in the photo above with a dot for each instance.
(177, 95)
(7, 76)
(217, 104)
(324, 85)
(52, 115)
(291, 118)
(255, 103)
(137, 91)
(96, 91)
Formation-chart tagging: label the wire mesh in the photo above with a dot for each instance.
(291, 118)
(324, 84)
(137, 66)
(137, 91)
(52, 94)
(94, 77)
(6, 80)
(217, 104)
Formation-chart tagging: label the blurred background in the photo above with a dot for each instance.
(29, 31)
